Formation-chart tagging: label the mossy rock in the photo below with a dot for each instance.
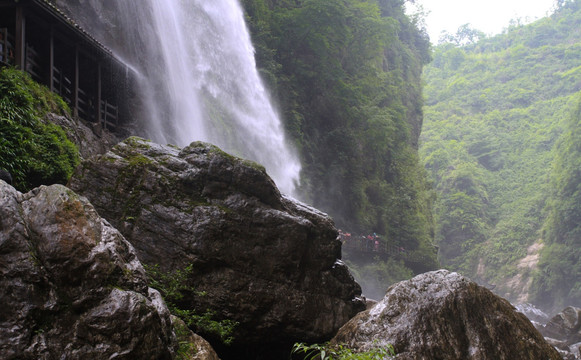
(33, 151)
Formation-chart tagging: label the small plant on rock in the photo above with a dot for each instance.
(173, 286)
(341, 352)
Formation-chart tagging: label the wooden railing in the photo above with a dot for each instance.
(32, 65)
(109, 115)
(85, 106)
(62, 85)
(6, 47)
(372, 246)
(86, 109)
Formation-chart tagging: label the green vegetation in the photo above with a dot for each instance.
(33, 151)
(186, 349)
(341, 352)
(174, 289)
(495, 108)
(558, 283)
(347, 77)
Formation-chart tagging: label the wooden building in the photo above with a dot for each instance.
(37, 37)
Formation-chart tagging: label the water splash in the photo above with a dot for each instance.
(199, 79)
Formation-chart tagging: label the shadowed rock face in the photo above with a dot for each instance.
(442, 315)
(72, 287)
(264, 260)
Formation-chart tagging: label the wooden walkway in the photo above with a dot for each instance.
(372, 247)
(376, 247)
(37, 38)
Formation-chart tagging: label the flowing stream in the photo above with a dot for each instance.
(199, 79)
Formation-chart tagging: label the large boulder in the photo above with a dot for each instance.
(443, 315)
(564, 330)
(262, 259)
(72, 287)
(566, 325)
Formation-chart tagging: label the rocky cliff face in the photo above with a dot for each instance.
(72, 286)
(264, 260)
(442, 315)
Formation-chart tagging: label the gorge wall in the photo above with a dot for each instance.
(495, 110)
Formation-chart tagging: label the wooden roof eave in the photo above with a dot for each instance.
(68, 23)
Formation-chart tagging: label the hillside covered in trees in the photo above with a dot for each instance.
(495, 108)
(347, 77)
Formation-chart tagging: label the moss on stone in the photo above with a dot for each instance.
(254, 165)
(139, 161)
(138, 143)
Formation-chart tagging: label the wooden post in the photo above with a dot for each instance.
(5, 45)
(20, 39)
(76, 83)
(51, 60)
(99, 92)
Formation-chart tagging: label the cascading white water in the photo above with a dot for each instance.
(200, 80)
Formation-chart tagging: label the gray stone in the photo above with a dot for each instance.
(89, 141)
(264, 260)
(442, 315)
(72, 287)
(192, 346)
(564, 331)
(5, 176)
(565, 326)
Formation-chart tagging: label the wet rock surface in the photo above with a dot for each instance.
(72, 287)
(193, 346)
(442, 315)
(564, 331)
(89, 141)
(263, 259)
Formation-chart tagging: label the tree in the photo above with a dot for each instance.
(465, 35)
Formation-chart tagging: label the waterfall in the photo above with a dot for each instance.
(198, 78)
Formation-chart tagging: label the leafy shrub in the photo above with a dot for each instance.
(340, 352)
(186, 348)
(33, 151)
(174, 287)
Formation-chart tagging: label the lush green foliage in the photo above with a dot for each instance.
(558, 283)
(347, 76)
(33, 151)
(494, 110)
(174, 288)
(341, 352)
